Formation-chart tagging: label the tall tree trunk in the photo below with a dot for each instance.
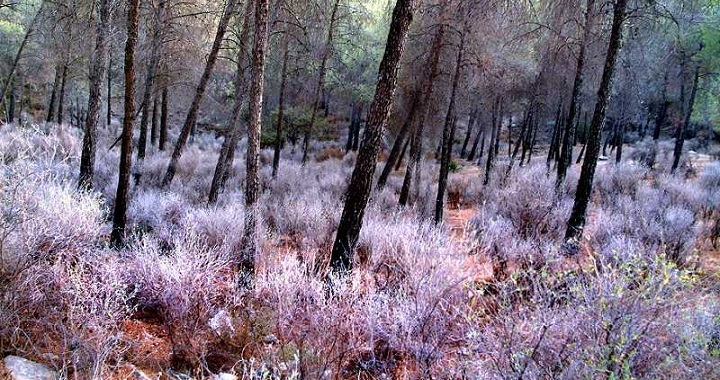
(492, 146)
(109, 90)
(398, 144)
(11, 103)
(192, 114)
(398, 165)
(554, 139)
(18, 55)
(252, 183)
(480, 136)
(281, 109)
(320, 87)
(680, 134)
(448, 136)
(659, 120)
(468, 133)
(61, 99)
(97, 74)
(358, 191)
(162, 138)
(416, 147)
(53, 95)
(121, 198)
(569, 135)
(576, 223)
(227, 152)
(155, 120)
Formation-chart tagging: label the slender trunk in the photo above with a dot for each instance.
(569, 135)
(398, 165)
(281, 109)
(553, 140)
(122, 195)
(659, 121)
(155, 120)
(61, 99)
(499, 127)
(619, 139)
(576, 223)
(492, 147)
(18, 55)
(317, 96)
(109, 90)
(448, 136)
(478, 137)
(97, 74)
(53, 95)
(536, 126)
(162, 138)
(398, 145)
(227, 152)
(192, 114)
(11, 103)
(468, 132)
(358, 191)
(413, 167)
(680, 134)
(249, 244)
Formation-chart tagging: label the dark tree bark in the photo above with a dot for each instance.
(117, 237)
(354, 129)
(192, 114)
(320, 87)
(358, 191)
(468, 133)
(252, 183)
(399, 162)
(416, 147)
(11, 102)
(109, 90)
(155, 120)
(227, 152)
(554, 139)
(61, 99)
(492, 146)
(619, 139)
(398, 145)
(97, 74)
(680, 132)
(281, 109)
(18, 55)
(480, 136)
(569, 134)
(498, 128)
(162, 138)
(53, 95)
(576, 223)
(448, 136)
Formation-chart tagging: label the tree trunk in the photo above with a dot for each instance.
(358, 191)
(576, 223)
(492, 146)
(11, 103)
(227, 152)
(680, 134)
(471, 125)
(398, 165)
(121, 198)
(109, 90)
(317, 96)
(97, 74)
(413, 166)
(61, 99)
(569, 135)
(448, 136)
(480, 136)
(53, 95)
(252, 182)
(398, 144)
(191, 117)
(281, 109)
(13, 67)
(155, 120)
(162, 138)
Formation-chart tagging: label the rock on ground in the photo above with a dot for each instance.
(23, 369)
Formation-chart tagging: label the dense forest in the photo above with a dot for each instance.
(359, 189)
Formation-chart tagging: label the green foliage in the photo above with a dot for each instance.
(454, 167)
(296, 121)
